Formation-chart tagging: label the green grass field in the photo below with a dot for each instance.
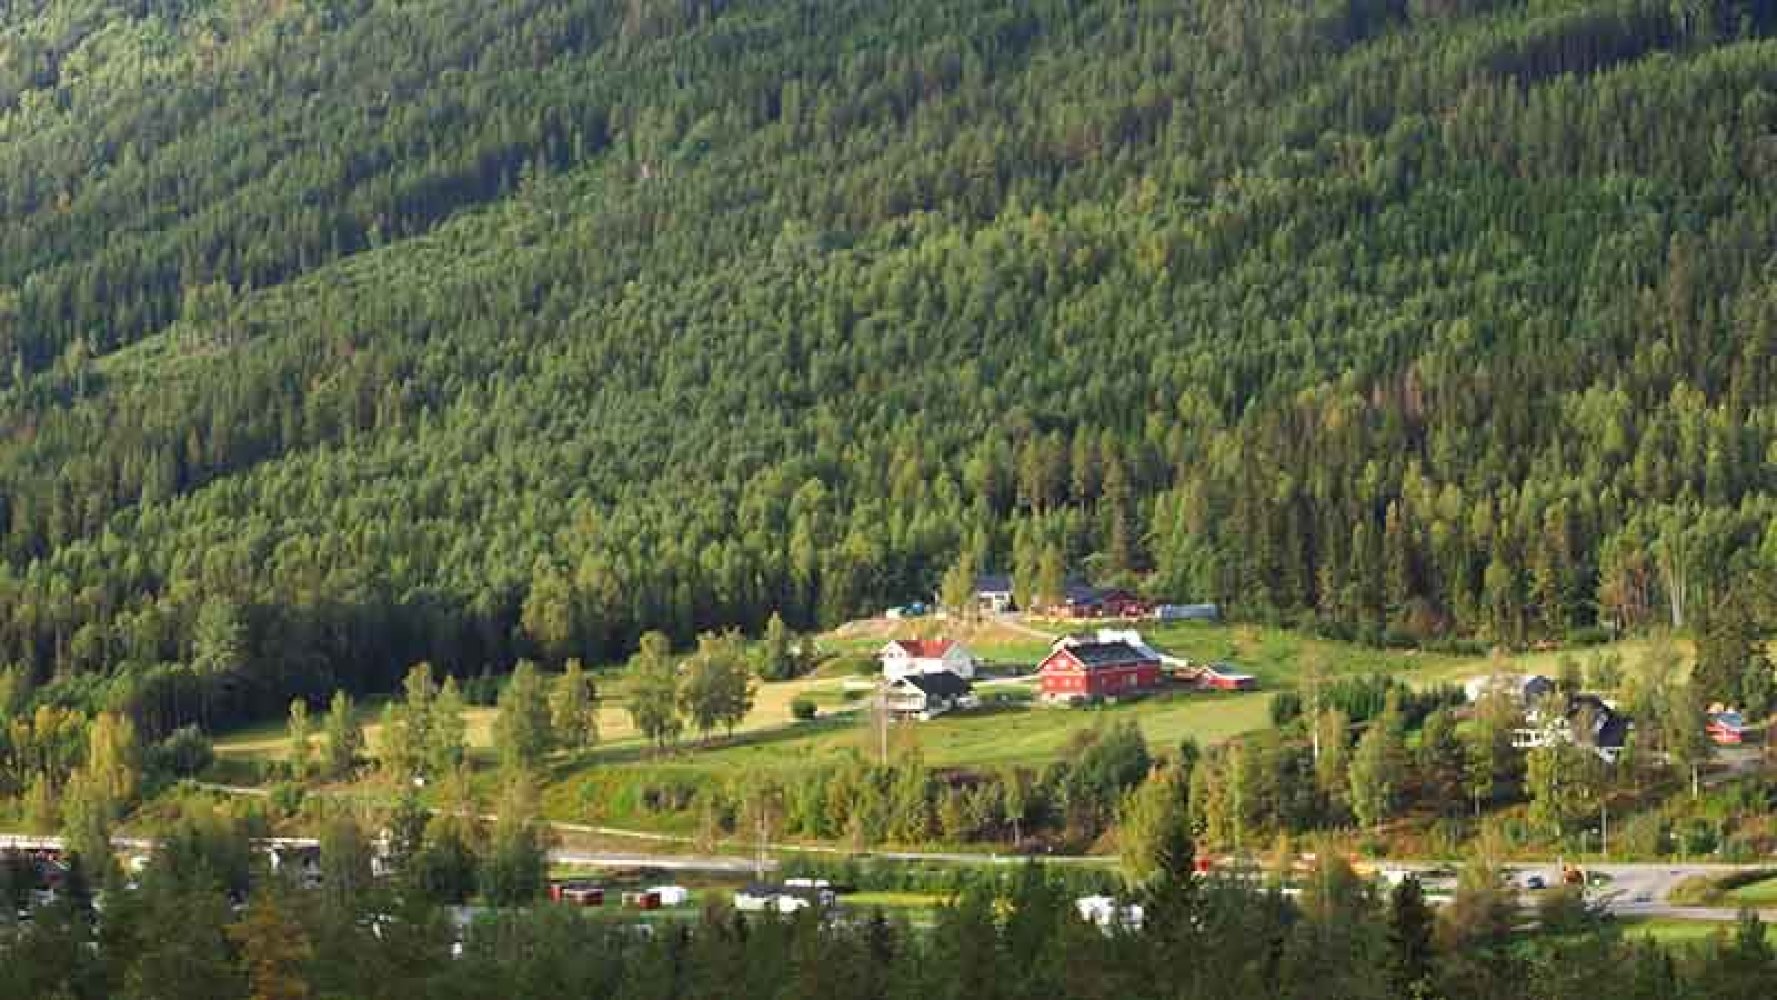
(1274, 655)
(1667, 930)
(1760, 894)
(621, 782)
(771, 708)
(984, 738)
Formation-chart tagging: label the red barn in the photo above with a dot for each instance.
(1089, 671)
(1082, 601)
(1222, 677)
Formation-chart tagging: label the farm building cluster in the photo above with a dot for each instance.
(925, 678)
(1549, 717)
(1112, 664)
(995, 595)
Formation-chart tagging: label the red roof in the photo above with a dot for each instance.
(926, 649)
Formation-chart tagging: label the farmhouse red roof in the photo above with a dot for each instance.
(925, 649)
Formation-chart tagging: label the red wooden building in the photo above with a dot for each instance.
(1727, 727)
(1091, 671)
(1221, 677)
(1081, 601)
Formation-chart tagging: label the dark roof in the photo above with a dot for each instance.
(1610, 729)
(1076, 592)
(1106, 654)
(939, 684)
(993, 583)
(1082, 593)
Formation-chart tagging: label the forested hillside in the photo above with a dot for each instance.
(349, 333)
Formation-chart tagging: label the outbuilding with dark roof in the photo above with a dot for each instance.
(925, 696)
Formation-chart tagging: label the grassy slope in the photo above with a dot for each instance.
(603, 786)
(1001, 737)
(771, 708)
(1760, 894)
(1672, 931)
(1272, 654)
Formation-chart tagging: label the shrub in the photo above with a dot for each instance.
(183, 754)
(803, 708)
(286, 798)
(1711, 890)
(1590, 636)
(1395, 638)
(1286, 707)
(1458, 647)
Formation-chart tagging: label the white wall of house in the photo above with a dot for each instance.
(904, 699)
(898, 663)
(994, 602)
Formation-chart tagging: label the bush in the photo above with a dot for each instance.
(1711, 890)
(286, 798)
(1286, 707)
(1590, 636)
(1395, 638)
(1458, 647)
(184, 754)
(803, 708)
(1644, 835)
(482, 690)
(1605, 671)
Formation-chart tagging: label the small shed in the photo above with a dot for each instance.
(1187, 612)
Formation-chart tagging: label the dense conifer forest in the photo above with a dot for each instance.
(1007, 937)
(343, 334)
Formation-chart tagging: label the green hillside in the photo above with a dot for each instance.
(350, 333)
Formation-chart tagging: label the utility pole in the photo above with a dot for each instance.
(759, 859)
(1311, 670)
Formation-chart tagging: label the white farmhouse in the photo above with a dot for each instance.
(905, 657)
(1525, 689)
(1105, 912)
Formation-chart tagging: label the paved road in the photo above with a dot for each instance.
(1633, 889)
(1629, 881)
